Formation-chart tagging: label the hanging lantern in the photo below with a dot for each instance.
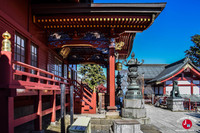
(6, 44)
(118, 66)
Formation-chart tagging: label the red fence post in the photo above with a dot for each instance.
(38, 104)
(94, 103)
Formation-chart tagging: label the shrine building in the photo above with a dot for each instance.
(161, 76)
(44, 40)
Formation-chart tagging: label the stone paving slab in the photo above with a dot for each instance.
(149, 129)
(171, 122)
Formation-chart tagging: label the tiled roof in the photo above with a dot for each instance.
(151, 70)
(172, 69)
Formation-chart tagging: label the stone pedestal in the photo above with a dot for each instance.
(112, 115)
(127, 126)
(112, 112)
(111, 108)
(175, 104)
(101, 103)
(134, 108)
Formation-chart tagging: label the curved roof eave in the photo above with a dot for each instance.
(170, 74)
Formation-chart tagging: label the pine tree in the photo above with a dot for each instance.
(194, 51)
(93, 75)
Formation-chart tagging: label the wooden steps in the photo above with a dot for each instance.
(85, 98)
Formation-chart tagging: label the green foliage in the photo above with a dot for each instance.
(194, 51)
(92, 74)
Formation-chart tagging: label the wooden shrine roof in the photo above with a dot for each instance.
(174, 69)
(119, 21)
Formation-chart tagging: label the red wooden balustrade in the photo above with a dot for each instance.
(35, 78)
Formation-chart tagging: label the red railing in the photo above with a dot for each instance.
(35, 78)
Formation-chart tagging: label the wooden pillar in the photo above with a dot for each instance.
(53, 116)
(112, 76)
(38, 104)
(112, 106)
(164, 88)
(6, 69)
(10, 114)
(6, 111)
(6, 94)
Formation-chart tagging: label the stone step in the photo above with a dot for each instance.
(144, 121)
(101, 122)
(101, 125)
(96, 128)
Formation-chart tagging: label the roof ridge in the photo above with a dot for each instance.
(177, 62)
(176, 66)
(154, 64)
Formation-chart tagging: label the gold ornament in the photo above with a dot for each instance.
(6, 43)
(118, 46)
(64, 52)
(118, 66)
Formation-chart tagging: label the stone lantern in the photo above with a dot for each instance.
(134, 91)
(133, 106)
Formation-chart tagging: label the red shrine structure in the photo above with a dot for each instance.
(44, 40)
(184, 71)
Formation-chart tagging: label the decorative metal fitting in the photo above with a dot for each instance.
(6, 43)
(118, 46)
(65, 52)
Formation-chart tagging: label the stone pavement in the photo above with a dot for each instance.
(171, 122)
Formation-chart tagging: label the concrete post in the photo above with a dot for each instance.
(62, 103)
(71, 105)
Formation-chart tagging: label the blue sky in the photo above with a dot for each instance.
(165, 41)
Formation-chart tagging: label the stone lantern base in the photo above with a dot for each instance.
(127, 126)
(134, 108)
